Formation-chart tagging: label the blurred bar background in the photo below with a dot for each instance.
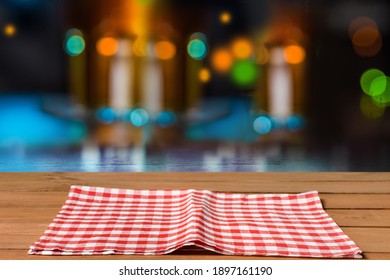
(170, 85)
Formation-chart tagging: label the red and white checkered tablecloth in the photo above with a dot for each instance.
(98, 220)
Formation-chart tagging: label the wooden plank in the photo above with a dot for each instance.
(28, 215)
(235, 182)
(10, 199)
(376, 256)
(223, 186)
(355, 201)
(370, 240)
(361, 218)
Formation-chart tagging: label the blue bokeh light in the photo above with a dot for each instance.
(295, 123)
(106, 115)
(262, 125)
(197, 49)
(166, 119)
(74, 45)
(139, 117)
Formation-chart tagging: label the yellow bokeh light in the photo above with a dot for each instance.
(204, 75)
(165, 50)
(107, 46)
(221, 60)
(370, 109)
(294, 54)
(242, 48)
(225, 17)
(262, 55)
(140, 47)
(9, 30)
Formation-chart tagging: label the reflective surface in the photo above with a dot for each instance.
(196, 157)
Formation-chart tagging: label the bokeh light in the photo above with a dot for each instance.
(378, 86)
(106, 115)
(369, 109)
(200, 36)
(367, 79)
(294, 54)
(146, 2)
(9, 30)
(294, 123)
(263, 55)
(140, 47)
(365, 36)
(359, 22)
(204, 75)
(383, 86)
(72, 32)
(225, 17)
(166, 119)
(74, 45)
(370, 50)
(262, 125)
(244, 72)
(107, 46)
(242, 48)
(221, 60)
(139, 117)
(165, 50)
(197, 49)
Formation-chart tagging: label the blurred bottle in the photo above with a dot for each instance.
(282, 54)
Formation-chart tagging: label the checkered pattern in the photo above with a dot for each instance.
(120, 221)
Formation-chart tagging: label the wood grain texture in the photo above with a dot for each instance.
(358, 202)
(232, 182)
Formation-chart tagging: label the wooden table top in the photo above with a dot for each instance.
(358, 202)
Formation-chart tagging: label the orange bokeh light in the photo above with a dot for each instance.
(165, 50)
(360, 22)
(294, 54)
(225, 17)
(9, 30)
(222, 60)
(107, 46)
(242, 48)
(204, 75)
(365, 36)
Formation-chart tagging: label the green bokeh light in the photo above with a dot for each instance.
(378, 86)
(373, 82)
(75, 45)
(244, 73)
(384, 87)
(197, 49)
